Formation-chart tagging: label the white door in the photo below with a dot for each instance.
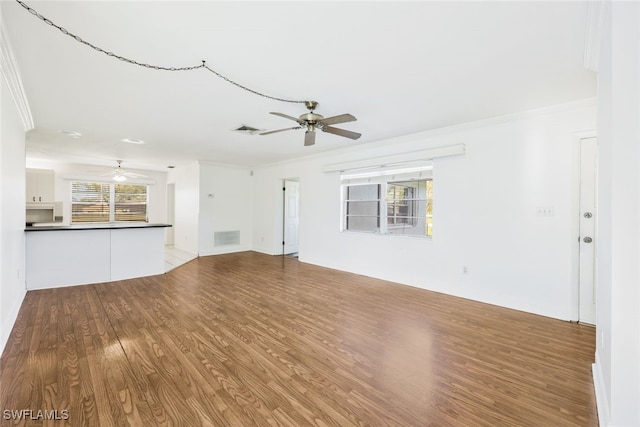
(588, 174)
(291, 216)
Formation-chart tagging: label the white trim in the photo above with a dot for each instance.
(596, 13)
(413, 156)
(11, 75)
(602, 404)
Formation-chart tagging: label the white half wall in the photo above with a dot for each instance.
(485, 212)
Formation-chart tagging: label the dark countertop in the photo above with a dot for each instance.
(96, 226)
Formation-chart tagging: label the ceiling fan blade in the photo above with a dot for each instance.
(105, 174)
(309, 138)
(342, 132)
(285, 116)
(134, 175)
(280, 130)
(342, 118)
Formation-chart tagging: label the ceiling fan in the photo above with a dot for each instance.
(121, 175)
(312, 121)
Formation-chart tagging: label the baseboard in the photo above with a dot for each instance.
(266, 251)
(223, 250)
(602, 403)
(11, 321)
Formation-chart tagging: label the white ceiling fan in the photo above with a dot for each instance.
(311, 121)
(119, 174)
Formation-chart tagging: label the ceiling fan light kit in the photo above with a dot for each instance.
(311, 121)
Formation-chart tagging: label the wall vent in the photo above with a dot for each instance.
(226, 238)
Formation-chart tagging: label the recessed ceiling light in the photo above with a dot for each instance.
(132, 141)
(72, 134)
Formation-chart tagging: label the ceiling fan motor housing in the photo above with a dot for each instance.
(309, 118)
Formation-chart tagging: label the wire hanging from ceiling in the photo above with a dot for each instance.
(150, 66)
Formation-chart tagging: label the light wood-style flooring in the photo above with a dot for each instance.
(254, 340)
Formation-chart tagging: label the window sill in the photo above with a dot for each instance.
(394, 235)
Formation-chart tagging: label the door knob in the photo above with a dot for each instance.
(587, 239)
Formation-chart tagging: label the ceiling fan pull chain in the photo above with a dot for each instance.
(142, 64)
(255, 92)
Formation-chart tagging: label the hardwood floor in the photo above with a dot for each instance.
(249, 339)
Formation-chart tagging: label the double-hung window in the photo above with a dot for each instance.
(107, 202)
(389, 201)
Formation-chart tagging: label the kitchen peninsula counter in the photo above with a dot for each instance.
(66, 255)
(96, 226)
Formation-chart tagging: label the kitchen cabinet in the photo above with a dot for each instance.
(40, 186)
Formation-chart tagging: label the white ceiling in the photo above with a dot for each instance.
(399, 67)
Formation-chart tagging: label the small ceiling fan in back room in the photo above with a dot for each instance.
(119, 174)
(311, 122)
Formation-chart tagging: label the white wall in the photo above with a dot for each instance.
(12, 203)
(617, 367)
(485, 204)
(225, 205)
(187, 206)
(65, 173)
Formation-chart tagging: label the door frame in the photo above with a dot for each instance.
(284, 212)
(575, 288)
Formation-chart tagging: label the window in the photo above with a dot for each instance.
(410, 207)
(363, 207)
(389, 202)
(107, 202)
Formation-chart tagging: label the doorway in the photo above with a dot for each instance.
(587, 225)
(291, 216)
(171, 204)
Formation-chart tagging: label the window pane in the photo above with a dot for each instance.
(363, 192)
(89, 202)
(363, 208)
(407, 208)
(130, 202)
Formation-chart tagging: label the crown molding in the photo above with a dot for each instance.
(596, 14)
(11, 75)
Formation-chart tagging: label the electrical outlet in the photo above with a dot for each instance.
(465, 269)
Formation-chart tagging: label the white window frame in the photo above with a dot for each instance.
(112, 201)
(383, 176)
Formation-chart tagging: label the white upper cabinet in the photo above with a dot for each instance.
(40, 186)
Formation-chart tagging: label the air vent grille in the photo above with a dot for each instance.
(226, 238)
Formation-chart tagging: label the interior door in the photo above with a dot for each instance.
(588, 175)
(291, 219)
